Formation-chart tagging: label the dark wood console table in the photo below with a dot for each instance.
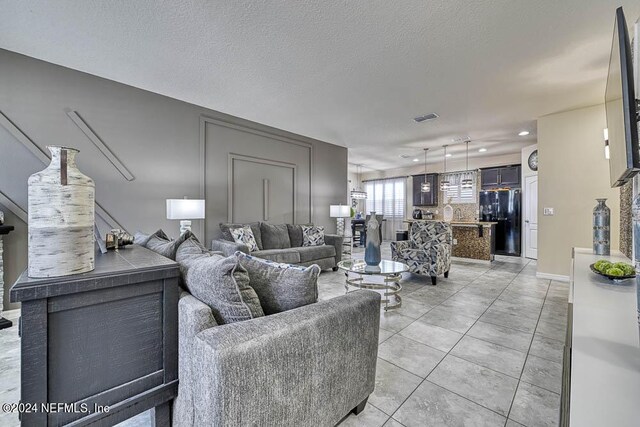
(103, 338)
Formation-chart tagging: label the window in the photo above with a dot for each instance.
(457, 194)
(387, 197)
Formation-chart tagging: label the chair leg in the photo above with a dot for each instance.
(433, 280)
(446, 274)
(360, 406)
(334, 268)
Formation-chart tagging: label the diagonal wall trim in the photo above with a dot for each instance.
(100, 145)
(24, 139)
(44, 158)
(17, 210)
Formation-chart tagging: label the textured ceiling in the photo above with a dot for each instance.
(352, 73)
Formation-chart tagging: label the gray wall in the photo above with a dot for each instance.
(157, 138)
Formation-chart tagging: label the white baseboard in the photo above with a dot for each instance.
(557, 277)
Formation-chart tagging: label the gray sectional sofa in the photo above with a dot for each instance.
(309, 366)
(282, 243)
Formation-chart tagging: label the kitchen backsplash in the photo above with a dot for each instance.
(469, 211)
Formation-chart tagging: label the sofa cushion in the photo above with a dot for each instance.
(311, 253)
(274, 236)
(255, 227)
(295, 235)
(221, 283)
(161, 244)
(244, 236)
(279, 286)
(312, 235)
(290, 256)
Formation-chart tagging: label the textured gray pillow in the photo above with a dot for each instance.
(255, 228)
(295, 235)
(142, 239)
(188, 253)
(274, 236)
(223, 284)
(160, 243)
(281, 287)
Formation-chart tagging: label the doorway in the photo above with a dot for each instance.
(531, 217)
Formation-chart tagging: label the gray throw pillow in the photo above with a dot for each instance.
(223, 284)
(295, 235)
(142, 239)
(274, 236)
(161, 244)
(255, 228)
(188, 252)
(281, 287)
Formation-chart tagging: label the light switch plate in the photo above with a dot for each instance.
(548, 211)
(455, 241)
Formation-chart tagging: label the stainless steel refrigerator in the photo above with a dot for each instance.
(503, 207)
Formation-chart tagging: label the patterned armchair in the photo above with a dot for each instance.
(428, 250)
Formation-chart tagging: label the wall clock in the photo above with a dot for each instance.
(533, 160)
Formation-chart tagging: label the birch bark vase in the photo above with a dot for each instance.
(61, 218)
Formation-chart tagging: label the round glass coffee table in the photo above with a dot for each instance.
(358, 275)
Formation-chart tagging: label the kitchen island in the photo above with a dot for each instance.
(471, 239)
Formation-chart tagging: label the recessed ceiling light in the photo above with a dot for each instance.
(524, 133)
(416, 160)
(448, 155)
(482, 150)
(426, 117)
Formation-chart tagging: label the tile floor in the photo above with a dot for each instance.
(482, 348)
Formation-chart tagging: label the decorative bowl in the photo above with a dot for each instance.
(608, 276)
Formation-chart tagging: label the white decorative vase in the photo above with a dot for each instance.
(61, 218)
(447, 213)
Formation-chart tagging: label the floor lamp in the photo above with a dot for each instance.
(339, 212)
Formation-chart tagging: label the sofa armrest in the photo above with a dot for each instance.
(194, 316)
(306, 366)
(228, 248)
(335, 240)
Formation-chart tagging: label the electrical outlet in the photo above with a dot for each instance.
(548, 211)
(455, 241)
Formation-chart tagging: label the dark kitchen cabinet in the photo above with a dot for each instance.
(425, 199)
(505, 176)
(510, 176)
(490, 177)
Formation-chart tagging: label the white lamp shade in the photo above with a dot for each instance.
(185, 209)
(339, 211)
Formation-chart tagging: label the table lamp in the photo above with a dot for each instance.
(340, 212)
(185, 210)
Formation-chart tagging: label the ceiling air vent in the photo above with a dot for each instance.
(426, 117)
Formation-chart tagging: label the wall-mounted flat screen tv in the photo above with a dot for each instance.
(620, 105)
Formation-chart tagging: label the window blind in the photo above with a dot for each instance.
(387, 197)
(457, 194)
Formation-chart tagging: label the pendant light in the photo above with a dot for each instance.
(425, 187)
(467, 182)
(445, 184)
(357, 193)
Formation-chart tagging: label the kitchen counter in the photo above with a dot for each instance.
(471, 239)
(457, 223)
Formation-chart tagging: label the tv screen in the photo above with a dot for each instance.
(620, 105)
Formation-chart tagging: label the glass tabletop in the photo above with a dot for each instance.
(385, 267)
